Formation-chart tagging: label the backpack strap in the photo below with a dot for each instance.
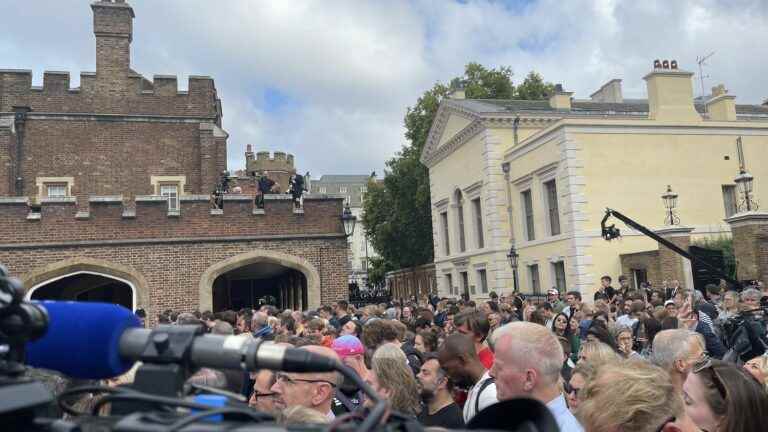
(345, 401)
(480, 391)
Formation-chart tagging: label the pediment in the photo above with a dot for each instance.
(449, 126)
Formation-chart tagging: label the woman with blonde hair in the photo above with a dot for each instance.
(597, 353)
(392, 379)
(758, 368)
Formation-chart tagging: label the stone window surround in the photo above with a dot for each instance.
(157, 181)
(41, 182)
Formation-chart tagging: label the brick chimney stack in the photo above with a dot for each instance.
(113, 27)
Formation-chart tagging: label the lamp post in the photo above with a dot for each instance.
(513, 257)
(670, 203)
(349, 221)
(744, 181)
(744, 184)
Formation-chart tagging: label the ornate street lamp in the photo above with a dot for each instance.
(670, 203)
(513, 258)
(349, 220)
(744, 184)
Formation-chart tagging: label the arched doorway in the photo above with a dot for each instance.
(80, 265)
(257, 277)
(263, 283)
(86, 286)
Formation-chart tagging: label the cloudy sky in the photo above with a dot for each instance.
(329, 81)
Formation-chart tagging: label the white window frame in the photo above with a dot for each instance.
(323, 189)
(173, 201)
(343, 190)
(42, 184)
(363, 189)
(60, 188)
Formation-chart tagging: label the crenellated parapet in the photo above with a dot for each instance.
(62, 220)
(161, 96)
(272, 162)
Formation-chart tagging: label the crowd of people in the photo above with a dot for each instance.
(629, 360)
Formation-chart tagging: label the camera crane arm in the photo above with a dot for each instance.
(611, 232)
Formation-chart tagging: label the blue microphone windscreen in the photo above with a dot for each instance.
(83, 339)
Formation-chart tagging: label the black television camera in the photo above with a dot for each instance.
(744, 334)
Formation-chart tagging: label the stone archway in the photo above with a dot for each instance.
(80, 265)
(260, 256)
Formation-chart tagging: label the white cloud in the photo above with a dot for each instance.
(351, 67)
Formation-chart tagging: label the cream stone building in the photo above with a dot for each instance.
(539, 175)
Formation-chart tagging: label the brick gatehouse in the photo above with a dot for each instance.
(104, 195)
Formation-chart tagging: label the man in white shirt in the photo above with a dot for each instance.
(461, 363)
(635, 314)
(573, 298)
(527, 364)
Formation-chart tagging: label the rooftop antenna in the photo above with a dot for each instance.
(702, 62)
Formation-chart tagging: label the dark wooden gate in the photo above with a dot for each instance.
(703, 275)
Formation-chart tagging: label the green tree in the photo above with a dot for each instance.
(482, 83)
(534, 88)
(397, 211)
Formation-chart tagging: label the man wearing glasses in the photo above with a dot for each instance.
(313, 390)
(263, 398)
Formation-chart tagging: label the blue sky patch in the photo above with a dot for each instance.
(275, 100)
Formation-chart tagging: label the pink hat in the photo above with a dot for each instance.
(347, 346)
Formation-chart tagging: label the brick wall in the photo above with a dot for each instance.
(137, 96)
(108, 158)
(172, 252)
(670, 263)
(57, 221)
(750, 245)
(648, 261)
(6, 174)
(173, 271)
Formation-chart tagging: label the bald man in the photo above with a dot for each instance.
(313, 390)
(459, 360)
(527, 364)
